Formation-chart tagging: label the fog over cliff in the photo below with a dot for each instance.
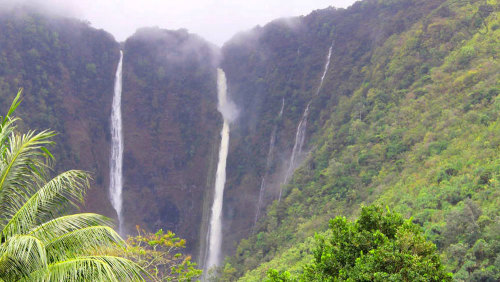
(215, 20)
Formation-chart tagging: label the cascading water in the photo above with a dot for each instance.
(327, 65)
(282, 107)
(228, 111)
(269, 159)
(300, 136)
(116, 161)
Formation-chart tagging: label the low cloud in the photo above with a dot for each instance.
(51, 7)
(215, 20)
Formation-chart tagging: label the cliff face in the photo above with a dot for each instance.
(283, 62)
(266, 68)
(171, 127)
(169, 101)
(67, 70)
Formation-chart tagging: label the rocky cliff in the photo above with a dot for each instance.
(171, 128)
(169, 112)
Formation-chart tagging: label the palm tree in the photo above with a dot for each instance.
(37, 244)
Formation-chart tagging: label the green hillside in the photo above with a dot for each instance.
(420, 133)
(282, 64)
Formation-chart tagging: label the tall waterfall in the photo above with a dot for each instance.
(227, 109)
(300, 136)
(269, 159)
(116, 161)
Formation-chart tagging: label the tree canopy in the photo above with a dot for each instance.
(379, 246)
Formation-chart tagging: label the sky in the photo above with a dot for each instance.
(215, 20)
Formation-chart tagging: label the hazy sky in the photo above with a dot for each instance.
(215, 20)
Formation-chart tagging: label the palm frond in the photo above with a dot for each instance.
(55, 197)
(65, 224)
(36, 245)
(20, 255)
(7, 123)
(82, 241)
(12, 108)
(23, 164)
(5, 132)
(91, 268)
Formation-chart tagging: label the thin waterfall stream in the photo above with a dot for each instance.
(116, 160)
(300, 136)
(269, 159)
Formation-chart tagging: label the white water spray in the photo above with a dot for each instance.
(227, 109)
(300, 136)
(116, 161)
(269, 159)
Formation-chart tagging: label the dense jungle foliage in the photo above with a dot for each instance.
(66, 69)
(420, 133)
(376, 247)
(282, 64)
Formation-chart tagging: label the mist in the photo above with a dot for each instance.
(225, 105)
(215, 20)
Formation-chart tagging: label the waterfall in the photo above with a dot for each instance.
(116, 161)
(228, 111)
(282, 107)
(297, 146)
(327, 65)
(300, 136)
(269, 159)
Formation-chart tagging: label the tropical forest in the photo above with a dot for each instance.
(348, 144)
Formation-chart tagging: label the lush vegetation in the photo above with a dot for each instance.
(66, 69)
(159, 254)
(408, 117)
(419, 133)
(170, 108)
(376, 247)
(39, 242)
(284, 60)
